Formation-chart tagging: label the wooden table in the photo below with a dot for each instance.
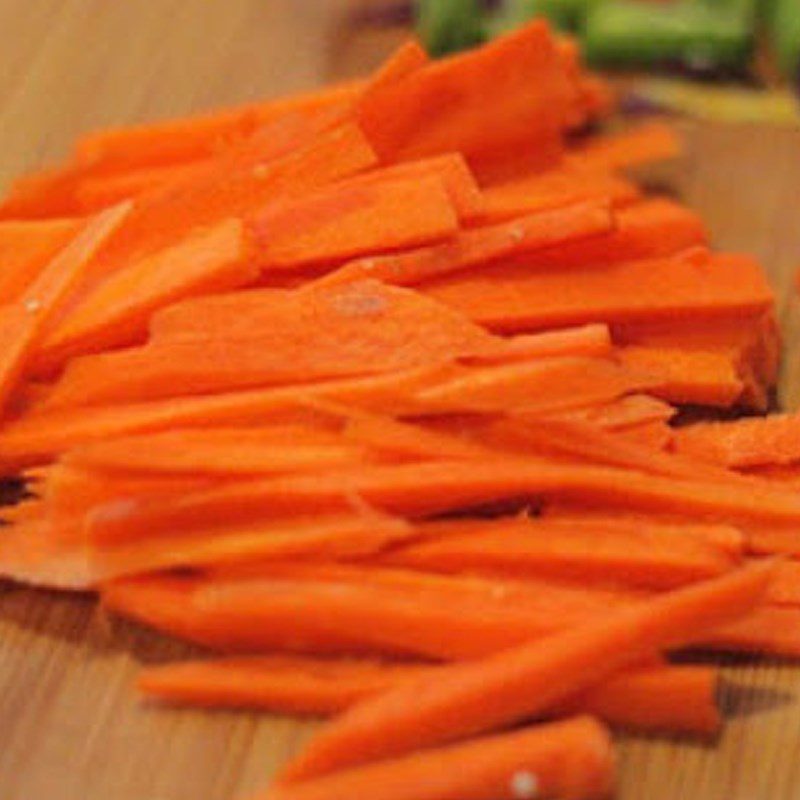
(71, 728)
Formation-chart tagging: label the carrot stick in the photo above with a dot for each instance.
(450, 168)
(768, 630)
(664, 699)
(585, 340)
(469, 699)
(26, 247)
(627, 412)
(639, 145)
(784, 589)
(553, 190)
(745, 443)
(352, 219)
(117, 312)
(478, 246)
(42, 195)
(652, 435)
(571, 759)
(507, 299)
(656, 557)
(24, 323)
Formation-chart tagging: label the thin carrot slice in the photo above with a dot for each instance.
(474, 247)
(652, 435)
(570, 759)
(585, 340)
(371, 328)
(768, 630)
(406, 120)
(745, 443)
(696, 377)
(554, 189)
(117, 312)
(26, 246)
(450, 168)
(627, 412)
(664, 699)
(656, 557)
(192, 138)
(507, 299)
(42, 195)
(784, 589)
(652, 141)
(468, 699)
(352, 219)
(35, 439)
(24, 323)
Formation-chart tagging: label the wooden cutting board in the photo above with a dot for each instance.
(70, 726)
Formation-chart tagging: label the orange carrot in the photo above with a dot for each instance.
(371, 328)
(585, 340)
(478, 246)
(571, 759)
(652, 435)
(351, 219)
(745, 443)
(657, 557)
(697, 377)
(407, 120)
(450, 168)
(40, 195)
(767, 630)
(508, 299)
(664, 699)
(117, 312)
(554, 189)
(784, 589)
(468, 699)
(25, 248)
(24, 323)
(639, 145)
(627, 412)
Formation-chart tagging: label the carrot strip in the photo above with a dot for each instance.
(26, 246)
(352, 219)
(570, 759)
(627, 412)
(784, 589)
(664, 699)
(41, 195)
(474, 247)
(698, 377)
(656, 557)
(469, 699)
(372, 328)
(507, 299)
(192, 138)
(554, 189)
(745, 443)
(117, 312)
(450, 168)
(768, 630)
(406, 120)
(652, 141)
(652, 435)
(24, 323)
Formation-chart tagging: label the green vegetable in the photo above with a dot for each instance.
(784, 27)
(563, 14)
(447, 26)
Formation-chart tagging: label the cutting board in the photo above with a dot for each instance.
(71, 728)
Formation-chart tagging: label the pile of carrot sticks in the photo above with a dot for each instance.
(372, 393)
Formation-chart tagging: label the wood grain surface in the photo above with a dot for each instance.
(71, 728)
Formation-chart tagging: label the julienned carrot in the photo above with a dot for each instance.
(745, 443)
(450, 168)
(638, 145)
(371, 328)
(301, 607)
(644, 230)
(653, 435)
(346, 535)
(554, 189)
(38, 438)
(420, 489)
(407, 120)
(468, 699)
(697, 377)
(95, 193)
(655, 557)
(571, 759)
(40, 195)
(584, 340)
(26, 246)
(285, 159)
(784, 589)
(478, 246)
(352, 219)
(23, 324)
(696, 285)
(220, 452)
(193, 138)
(665, 699)
(769, 630)
(627, 412)
(117, 312)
